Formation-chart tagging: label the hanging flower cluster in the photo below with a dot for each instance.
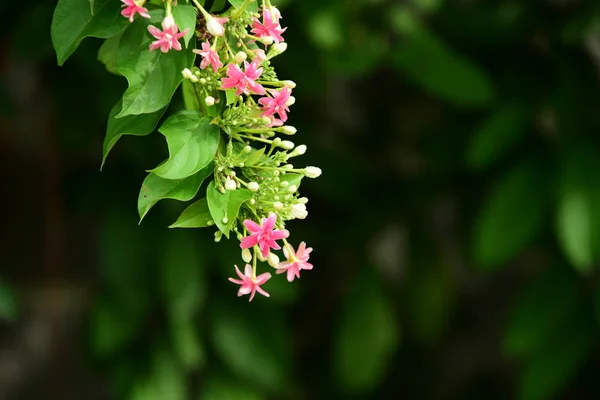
(254, 164)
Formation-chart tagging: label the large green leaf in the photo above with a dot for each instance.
(73, 21)
(252, 7)
(192, 141)
(107, 54)
(501, 131)
(222, 388)
(197, 215)
(513, 215)
(187, 344)
(224, 207)
(8, 302)
(366, 338)
(431, 63)
(153, 76)
(154, 188)
(136, 125)
(185, 18)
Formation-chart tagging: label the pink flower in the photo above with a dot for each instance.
(168, 38)
(259, 56)
(209, 57)
(269, 27)
(131, 7)
(295, 261)
(264, 235)
(249, 284)
(243, 82)
(276, 104)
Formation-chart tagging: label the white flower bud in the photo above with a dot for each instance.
(252, 201)
(209, 101)
(300, 150)
(290, 84)
(213, 26)
(246, 255)
(286, 144)
(247, 149)
(273, 260)
(278, 48)
(203, 80)
(312, 172)
(218, 236)
(225, 220)
(288, 129)
(277, 205)
(230, 185)
(276, 141)
(288, 166)
(253, 186)
(187, 74)
(299, 211)
(290, 101)
(292, 188)
(240, 57)
(284, 183)
(303, 200)
(267, 40)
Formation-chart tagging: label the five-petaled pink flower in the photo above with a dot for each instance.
(209, 57)
(264, 235)
(269, 27)
(249, 284)
(295, 261)
(276, 104)
(131, 7)
(168, 38)
(243, 82)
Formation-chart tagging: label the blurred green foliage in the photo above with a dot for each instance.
(456, 226)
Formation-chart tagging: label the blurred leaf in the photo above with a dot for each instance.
(197, 215)
(324, 28)
(224, 207)
(185, 18)
(187, 345)
(73, 21)
(429, 62)
(558, 360)
(137, 125)
(252, 344)
(192, 142)
(8, 303)
(578, 214)
(155, 188)
(513, 215)
(540, 311)
(252, 7)
(107, 54)
(112, 329)
(366, 338)
(497, 135)
(219, 388)
(153, 76)
(182, 280)
(166, 381)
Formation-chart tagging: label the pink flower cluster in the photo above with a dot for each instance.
(265, 236)
(132, 7)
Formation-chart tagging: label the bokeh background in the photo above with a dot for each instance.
(456, 226)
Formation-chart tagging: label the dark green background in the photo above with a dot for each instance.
(456, 226)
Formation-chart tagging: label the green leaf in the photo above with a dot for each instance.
(92, 6)
(574, 227)
(253, 158)
(107, 54)
(501, 131)
(230, 96)
(252, 345)
(425, 59)
(366, 338)
(156, 188)
(224, 207)
(197, 215)
(190, 97)
(541, 309)
(221, 388)
(291, 178)
(513, 215)
(8, 303)
(181, 276)
(136, 125)
(252, 7)
(153, 76)
(73, 21)
(185, 18)
(192, 142)
(187, 345)
(558, 359)
(112, 328)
